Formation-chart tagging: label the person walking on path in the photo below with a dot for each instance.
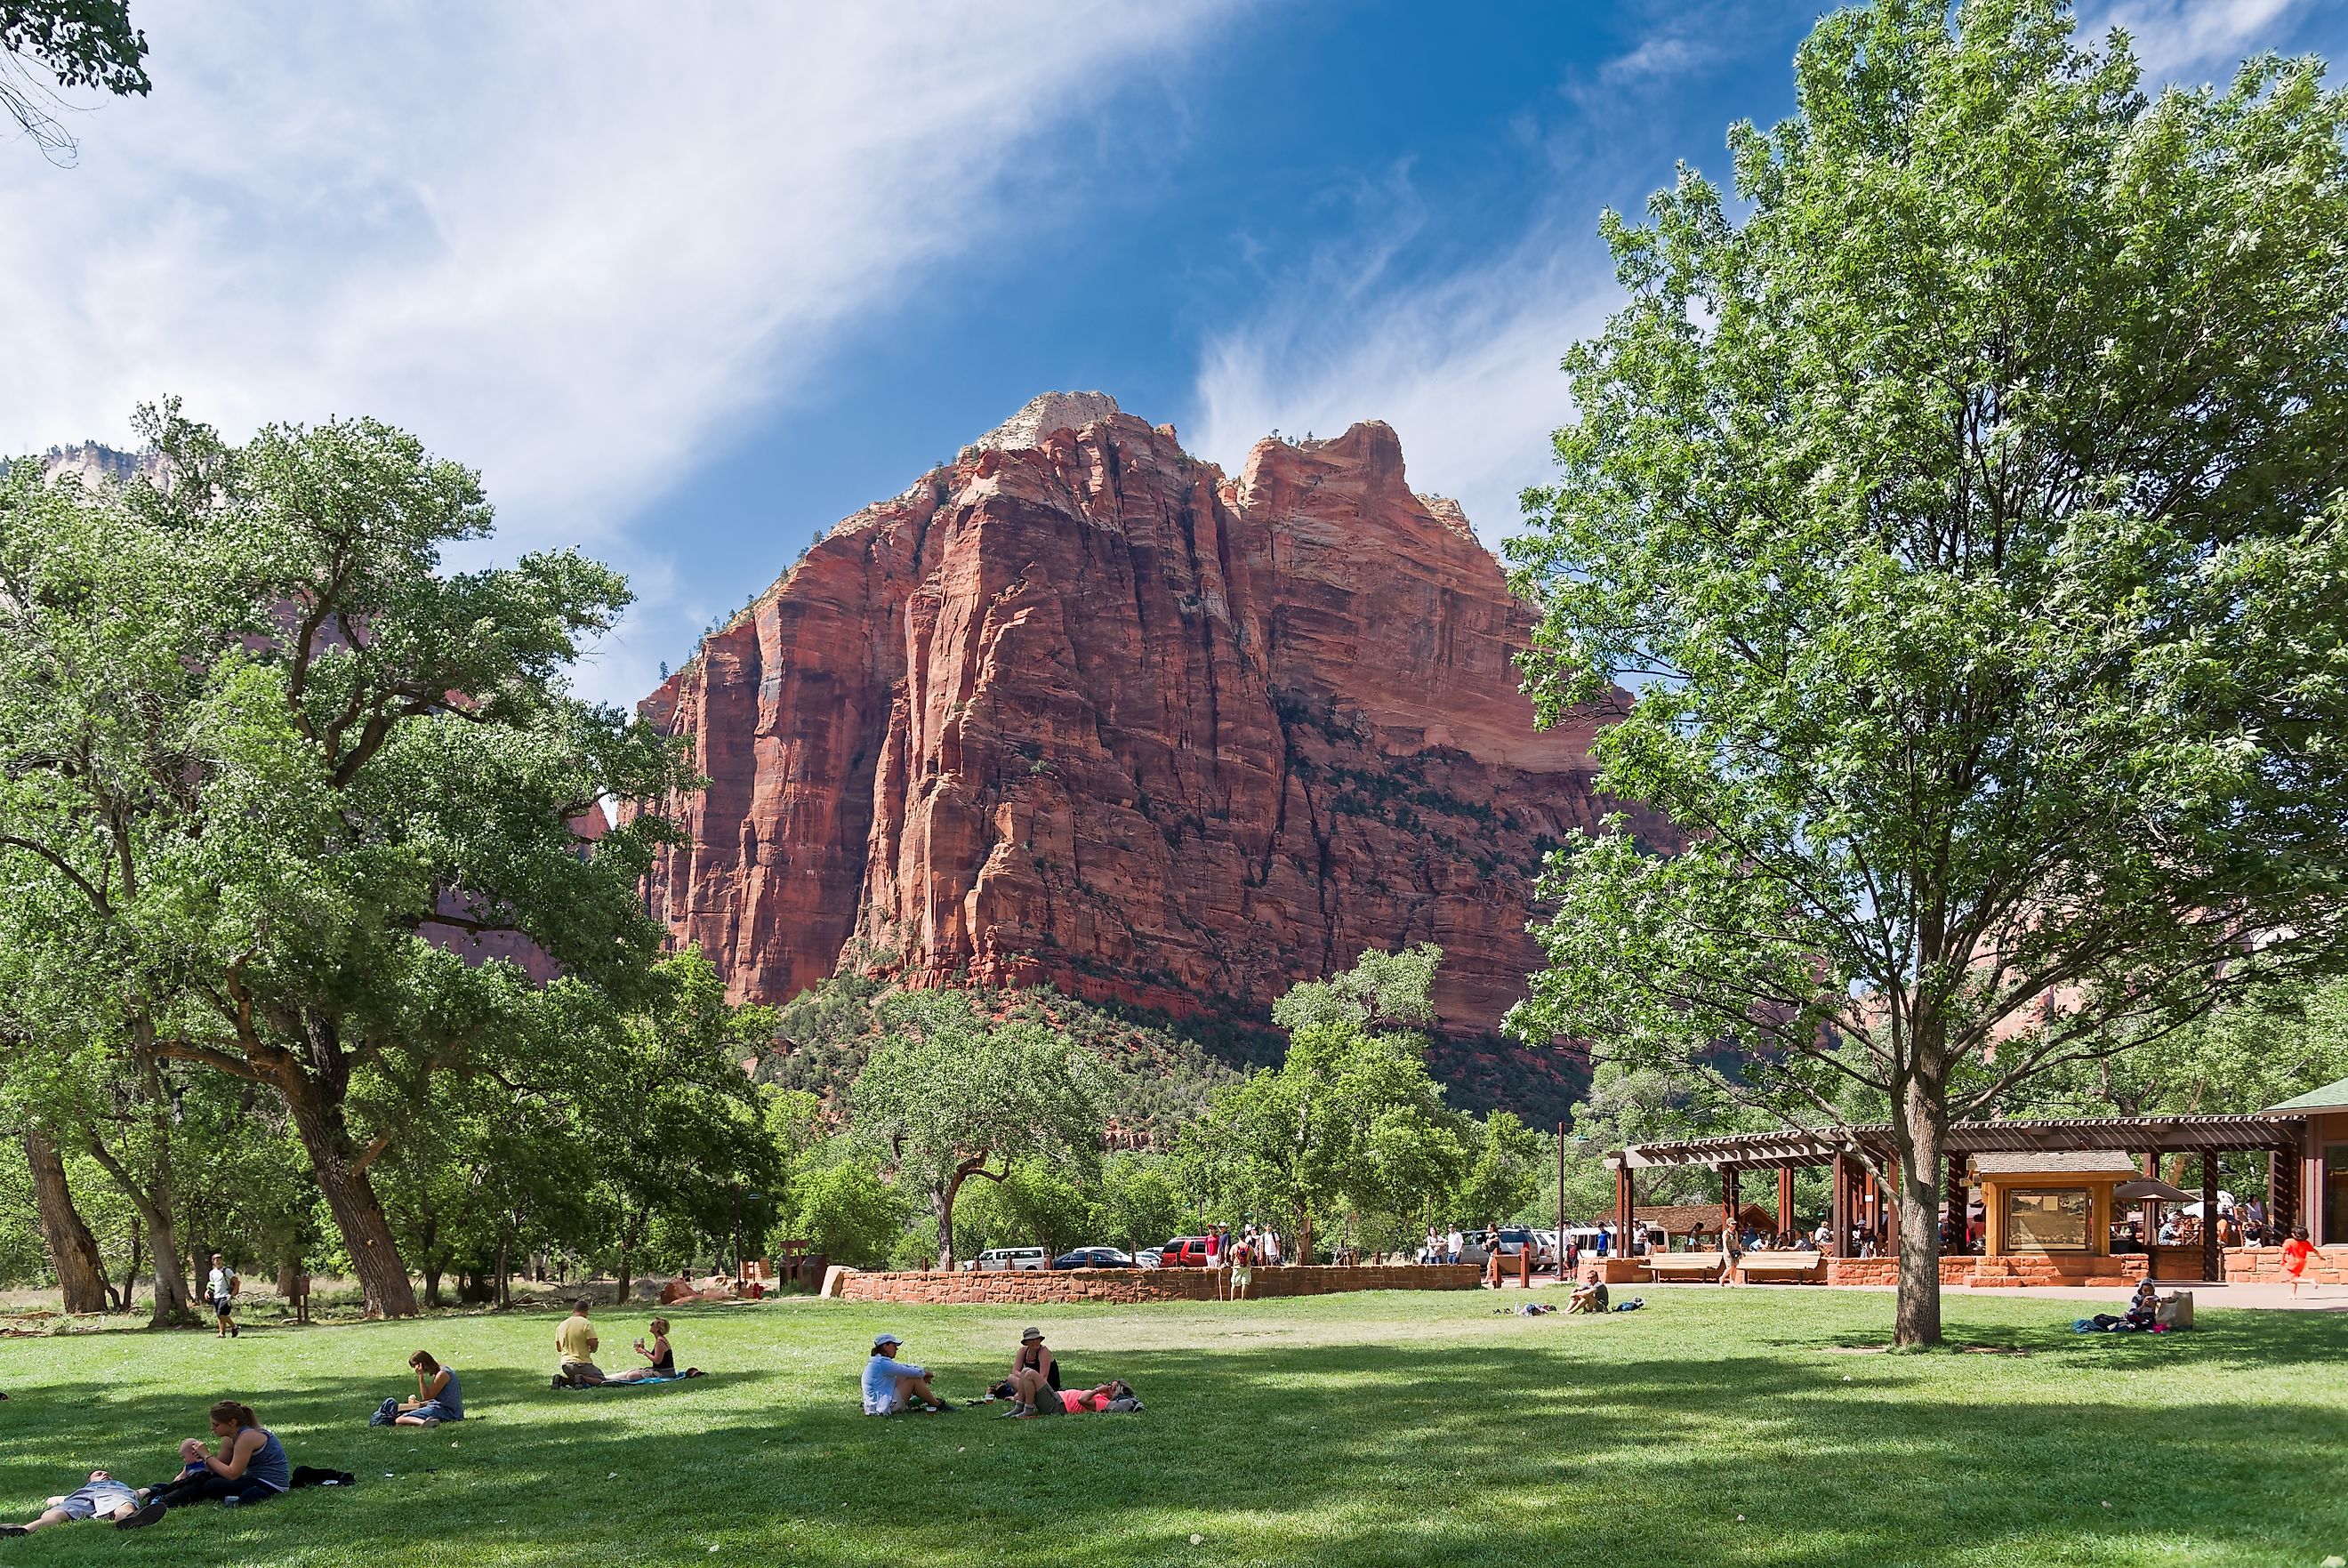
(2295, 1253)
(1731, 1252)
(220, 1286)
(1242, 1268)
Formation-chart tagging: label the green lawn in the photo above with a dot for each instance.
(1389, 1429)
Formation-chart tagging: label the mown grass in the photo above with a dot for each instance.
(1388, 1428)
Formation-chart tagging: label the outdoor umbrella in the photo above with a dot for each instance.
(2152, 1190)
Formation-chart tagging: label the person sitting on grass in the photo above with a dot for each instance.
(1035, 1359)
(575, 1341)
(2144, 1308)
(251, 1465)
(1589, 1296)
(100, 1496)
(438, 1397)
(891, 1385)
(660, 1360)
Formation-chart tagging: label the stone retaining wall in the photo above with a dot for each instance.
(1123, 1285)
(2263, 1265)
(2120, 1273)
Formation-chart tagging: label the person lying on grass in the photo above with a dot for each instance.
(101, 1497)
(438, 1397)
(1041, 1400)
(891, 1385)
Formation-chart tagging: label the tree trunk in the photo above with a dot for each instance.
(946, 1220)
(73, 1251)
(359, 1212)
(153, 1199)
(130, 1275)
(505, 1275)
(1921, 1135)
(627, 1248)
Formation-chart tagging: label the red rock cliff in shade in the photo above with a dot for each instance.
(1075, 710)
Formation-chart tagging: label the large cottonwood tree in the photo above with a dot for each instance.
(1965, 503)
(284, 764)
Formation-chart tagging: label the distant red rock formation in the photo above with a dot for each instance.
(1077, 710)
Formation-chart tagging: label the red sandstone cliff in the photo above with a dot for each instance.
(1077, 710)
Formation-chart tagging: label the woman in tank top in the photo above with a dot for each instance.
(252, 1466)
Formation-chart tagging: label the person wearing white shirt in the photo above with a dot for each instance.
(220, 1287)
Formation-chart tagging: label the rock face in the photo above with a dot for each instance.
(1077, 710)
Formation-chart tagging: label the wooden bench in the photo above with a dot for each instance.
(1684, 1265)
(1796, 1265)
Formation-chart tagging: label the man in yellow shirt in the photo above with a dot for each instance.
(576, 1341)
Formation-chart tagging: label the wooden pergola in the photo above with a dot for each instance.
(1858, 1201)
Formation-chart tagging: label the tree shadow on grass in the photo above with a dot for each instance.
(1551, 1439)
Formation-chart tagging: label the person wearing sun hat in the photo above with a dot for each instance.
(891, 1385)
(1034, 1374)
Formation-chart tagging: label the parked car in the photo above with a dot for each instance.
(1183, 1253)
(1515, 1239)
(1094, 1258)
(1148, 1258)
(999, 1259)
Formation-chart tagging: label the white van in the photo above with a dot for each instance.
(998, 1259)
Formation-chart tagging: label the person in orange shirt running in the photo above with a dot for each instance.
(2295, 1253)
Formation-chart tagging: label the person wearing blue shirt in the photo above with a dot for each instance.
(891, 1385)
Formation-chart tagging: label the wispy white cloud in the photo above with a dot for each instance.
(1464, 367)
(2176, 40)
(567, 242)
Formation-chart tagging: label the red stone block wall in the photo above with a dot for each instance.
(2035, 1269)
(1127, 1285)
(2263, 1265)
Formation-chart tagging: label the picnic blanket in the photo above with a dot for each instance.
(647, 1382)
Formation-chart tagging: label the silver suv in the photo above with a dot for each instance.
(1001, 1260)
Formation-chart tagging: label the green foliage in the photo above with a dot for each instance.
(842, 1208)
(263, 764)
(1969, 512)
(1351, 1126)
(951, 1093)
(1159, 1074)
(83, 43)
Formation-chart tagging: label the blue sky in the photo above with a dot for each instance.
(688, 293)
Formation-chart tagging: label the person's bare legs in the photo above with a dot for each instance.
(910, 1389)
(1028, 1386)
(47, 1517)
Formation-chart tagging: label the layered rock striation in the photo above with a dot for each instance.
(1077, 710)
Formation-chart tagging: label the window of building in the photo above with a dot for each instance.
(2048, 1219)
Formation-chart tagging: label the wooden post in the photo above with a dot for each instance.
(2213, 1259)
(1560, 1200)
(1623, 1205)
(2282, 1190)
(1957, 1205)
(1785, 1200)
(1840, 1210)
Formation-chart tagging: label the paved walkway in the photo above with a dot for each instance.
(2261, 1296)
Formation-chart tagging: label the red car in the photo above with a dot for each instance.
(1183, 1253)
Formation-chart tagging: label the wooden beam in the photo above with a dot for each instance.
(2213, 1259)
